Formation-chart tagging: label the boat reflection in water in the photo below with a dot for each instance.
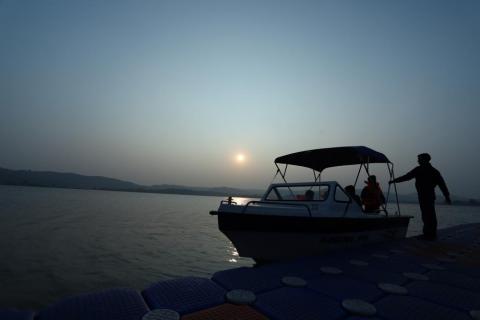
(307, 218)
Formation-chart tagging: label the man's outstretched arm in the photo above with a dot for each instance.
(406, 177)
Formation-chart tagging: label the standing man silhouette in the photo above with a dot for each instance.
(426, 179)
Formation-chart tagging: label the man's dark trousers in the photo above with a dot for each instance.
(429, 218)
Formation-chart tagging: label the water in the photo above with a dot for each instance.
(59, 242)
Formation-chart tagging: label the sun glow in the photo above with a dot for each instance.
(240, 158)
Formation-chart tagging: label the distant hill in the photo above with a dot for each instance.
(78, 181)
(61, 180)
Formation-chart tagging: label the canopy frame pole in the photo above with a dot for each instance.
(282, 174)
(285, 173)
(388, 189)
(276, 173)
(362, 165)
(366, 169)
(358, 175)
(384, 205)
(392, 177)
(283, 177)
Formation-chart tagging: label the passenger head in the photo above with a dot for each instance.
(424, 158)
(372, 179)
(350, 190)
(309, 195)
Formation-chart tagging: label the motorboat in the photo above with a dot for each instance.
(308, 218)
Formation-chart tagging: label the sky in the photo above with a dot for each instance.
(173, 91)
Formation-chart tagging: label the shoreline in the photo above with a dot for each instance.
(212, 194)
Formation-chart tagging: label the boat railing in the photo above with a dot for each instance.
(277, 204)
(228, 202)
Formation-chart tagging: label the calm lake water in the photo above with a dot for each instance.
(60, 242)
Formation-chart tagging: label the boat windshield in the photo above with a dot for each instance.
(298, 193)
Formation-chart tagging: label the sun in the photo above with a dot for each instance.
(240, 158)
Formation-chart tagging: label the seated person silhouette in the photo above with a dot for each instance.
(309, 194)
(372, 195)
(350, 190)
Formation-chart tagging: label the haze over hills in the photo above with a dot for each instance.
(77, 181)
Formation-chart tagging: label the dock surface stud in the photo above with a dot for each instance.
(239, 296)
(331, 270)
(294, 282)
(392, 288)
(415, 276)
(162, 314)
(358, 263)
(359, 307)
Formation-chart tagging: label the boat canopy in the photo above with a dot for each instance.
(319, 159)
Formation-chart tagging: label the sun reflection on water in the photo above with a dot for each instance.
(241, 201)
(232, 252)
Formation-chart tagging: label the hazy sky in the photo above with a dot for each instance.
(172, 91)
